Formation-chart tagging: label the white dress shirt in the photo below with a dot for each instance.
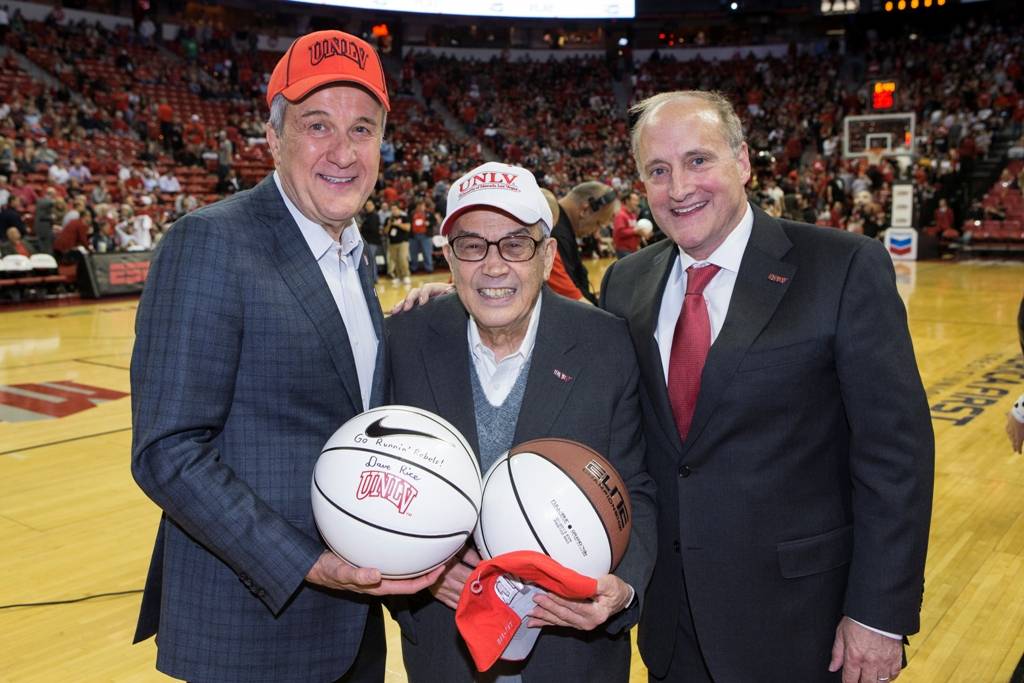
(717, 295)
(497, 377)
(339, 263)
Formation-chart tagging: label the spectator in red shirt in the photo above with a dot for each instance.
(75, 234)
(944, 223)
(195, 132)
(625, 234)
(14, 244)
(165, 115)
(559, 280)
(26, 193)
(421, 240)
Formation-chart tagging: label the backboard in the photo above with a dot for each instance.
(890, 135)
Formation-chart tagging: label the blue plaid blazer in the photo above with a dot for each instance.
(241, 371)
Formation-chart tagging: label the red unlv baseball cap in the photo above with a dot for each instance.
(324, 57)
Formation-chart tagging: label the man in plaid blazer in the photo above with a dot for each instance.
(258, 334)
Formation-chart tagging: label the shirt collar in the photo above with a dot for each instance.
(319, 240)
(730, 252)
(480, 350)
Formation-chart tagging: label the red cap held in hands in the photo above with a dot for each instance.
(488, 616)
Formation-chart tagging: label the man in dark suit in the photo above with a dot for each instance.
(506, 360)
(794, 457)
(258, 334)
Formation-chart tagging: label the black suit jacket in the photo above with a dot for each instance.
(803, 490)
(598, 405)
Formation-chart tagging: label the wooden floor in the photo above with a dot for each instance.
(73, 523)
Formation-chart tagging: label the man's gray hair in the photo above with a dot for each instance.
(732, 129)
(591, 189)
(279, 105)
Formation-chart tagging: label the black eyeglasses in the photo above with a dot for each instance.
(514, 248)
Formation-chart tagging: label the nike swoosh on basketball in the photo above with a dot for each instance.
(376, 430)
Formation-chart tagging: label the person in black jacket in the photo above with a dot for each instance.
(587, 208)
(369, 228)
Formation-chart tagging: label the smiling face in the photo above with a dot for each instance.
(499, 294)
(328, 153)
(694, 181)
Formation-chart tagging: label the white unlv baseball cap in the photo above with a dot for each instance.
(510, 189)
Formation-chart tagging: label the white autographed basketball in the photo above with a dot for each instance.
(396, 488)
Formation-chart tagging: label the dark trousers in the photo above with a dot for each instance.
(687, 661)
(421, 244)
(371, 661)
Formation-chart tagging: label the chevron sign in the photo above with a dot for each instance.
(901, 243)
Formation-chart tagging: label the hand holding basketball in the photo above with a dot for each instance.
(333, 572)
(449, 585)
(613, 595)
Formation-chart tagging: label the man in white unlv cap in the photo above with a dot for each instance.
(506, 360)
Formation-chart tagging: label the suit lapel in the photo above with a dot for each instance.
(761, 283)
(445, 356)
(302, 275)
(647, 304)
(555, 366)
(379, 384)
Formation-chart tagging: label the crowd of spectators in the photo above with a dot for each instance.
(131, 131)
(95, 147)
(965, 89)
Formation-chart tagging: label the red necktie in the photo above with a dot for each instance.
(690, 343)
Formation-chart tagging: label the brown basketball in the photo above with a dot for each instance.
(558, 497)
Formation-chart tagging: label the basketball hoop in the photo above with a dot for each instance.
(874, 155)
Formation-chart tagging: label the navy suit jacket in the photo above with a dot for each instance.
(241, 371)
(595, 402)
(803, 490)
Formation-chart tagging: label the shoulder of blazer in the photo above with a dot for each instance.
(411, 324)
(585, 322)
(226, 215)
(815, 234)
(641, 260)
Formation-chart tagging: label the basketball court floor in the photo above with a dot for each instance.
(73, 523)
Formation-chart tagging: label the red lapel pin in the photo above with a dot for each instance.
(778, 278)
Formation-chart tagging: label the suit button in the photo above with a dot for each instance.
(675, 546)
(684, 471)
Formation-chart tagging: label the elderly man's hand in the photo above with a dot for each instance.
(333, 572)
(418, 296)
(448, 587)
(863, 655)
(613, 594)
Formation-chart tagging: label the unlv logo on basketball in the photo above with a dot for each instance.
(397, 491)
(490, 180)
